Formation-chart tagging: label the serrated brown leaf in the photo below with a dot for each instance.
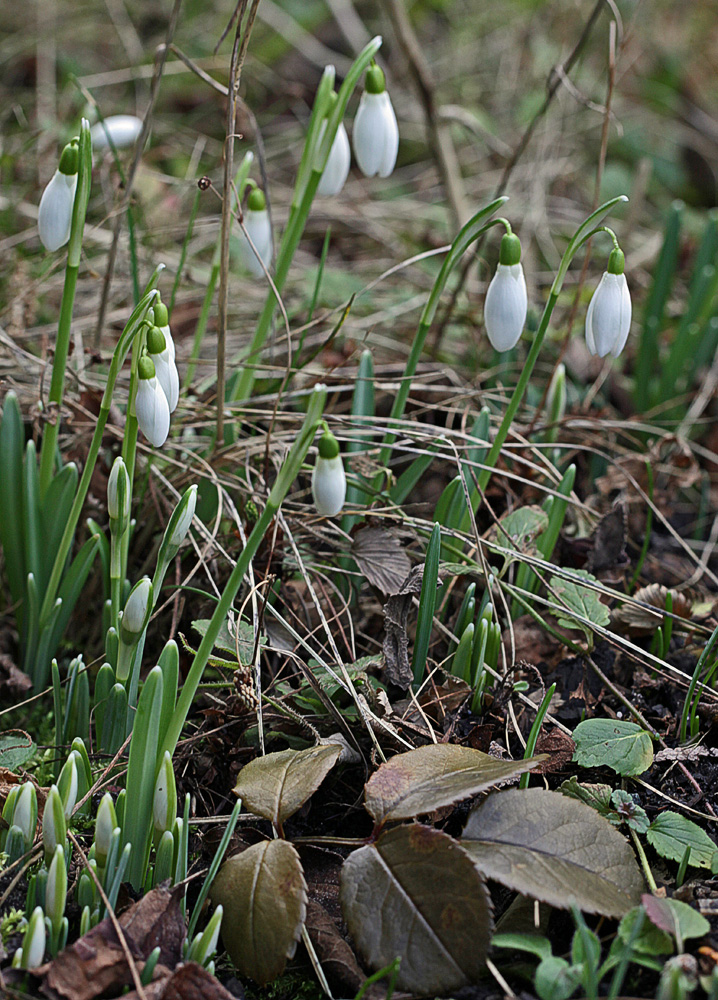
(381, 558)
(397, 668)
(276, 785)
(415, 893)
(555, 849)
(264, 897)
(430, 777)
(335, 956)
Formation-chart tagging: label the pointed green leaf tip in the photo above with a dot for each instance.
(70, 159)
(375, 80)
(328, 445)
(256, 202)
(156, 342)
(145, 367)
(616, 262)
(510, 252)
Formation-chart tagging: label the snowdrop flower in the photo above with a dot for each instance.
(506, 300)
(134, 619)
(329, 483)
(259, 229)
(122, 129)
(119, 496)
(151, 406)
(104, 828)
(375, 134)
(164, 802)
(608, 319)
(165, 367)
(54, 217)
(337, 169)
(33, 943)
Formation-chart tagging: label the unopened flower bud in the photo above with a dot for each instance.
(33, 943)
(118, 494)
(104, 827)
(329, 484)
(56, 888)
(164, 803)
(608, 319)
(375, 135)
(54, 827)
(259, 231)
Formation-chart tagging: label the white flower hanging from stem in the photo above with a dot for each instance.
(329, 484)
(258, 228)
(506, 299)
(54, 217)
(608, 319)
(337, 169)
(375, 135)
(151, 406)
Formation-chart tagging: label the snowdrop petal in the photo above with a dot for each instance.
(54, 217)
(505, 307)
(329, 485)
(337, 168)
(260, 232)
(608, 319)
(152, 410)
(375, 135)
(123, 130)
(167, 376)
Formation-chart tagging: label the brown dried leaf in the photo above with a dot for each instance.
(430, 777)
(397, 668)
(189, 982)
(336, 957)
(559, 747)
(415, 893)
(644, 621)
(381, 558)
(264, 897)
(276, 785)
(609, 541)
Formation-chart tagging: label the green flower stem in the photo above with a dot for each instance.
(311, 167)
(473, 229)
(584, 233)
(116, 574)
(134, 325)
(288, 473)
(644, 861)
(534, 734)
(62, 342)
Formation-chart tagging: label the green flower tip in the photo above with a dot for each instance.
(328, 445)
(616, 262)
(162, 317)
(256, 202)
(145, 367)
(510, 252)
(156, 342)
(375, 80)
(69, 160)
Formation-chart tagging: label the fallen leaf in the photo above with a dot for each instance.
(637, 620)
(608, 541)
(276, 785)
(188, 982)
(337, 959)
(397, 668)
(264, 897)
(555, 849)
(415, 893)
(559, 748)
(430, 777)
(381, 557)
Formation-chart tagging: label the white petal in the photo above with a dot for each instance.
(153, 412)
(168, 341)
(375, 135)
(167, 376)
(590, 342)
(505, 307)
(54, 216)
(610, 315)
(329, 485)
(123, 130)
(337, 168)
(260, 232)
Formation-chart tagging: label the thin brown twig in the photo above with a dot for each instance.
(553, 82)
(134, 972)
(162, 54)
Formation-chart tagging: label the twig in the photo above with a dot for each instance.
(439, 133)
(552, 84)
(113, 919)
(239, 51)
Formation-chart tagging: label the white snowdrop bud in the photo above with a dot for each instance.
(54, 217)
(375, 135)
(329, 483)
(506, 300)
(33, 944)
(118, 492)
(608, 319)
(122, 129)
(151, 406)
(259, 229)
(165, 367)
(337, 169)
(104, 827)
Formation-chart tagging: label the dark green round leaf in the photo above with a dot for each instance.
(555, 849)
(622, 746)
(264, 896)
(276, 785)
(415, 893)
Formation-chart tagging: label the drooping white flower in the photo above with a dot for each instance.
(506, 300)
(259, 230)
(337, 169)
(608, 319)
(122, 129)
(329, 483)
(54, 216)
(375, 135)
(151, 406)
(165, 367)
